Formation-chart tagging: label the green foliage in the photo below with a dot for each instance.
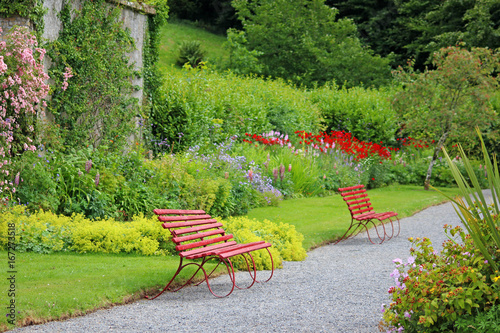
(241, 60)
(37, 188)
(216, 15)
(286, 241)
(433, 290)
(175, 32)
(451, 100)
(191, 53)
(313, 47)
(416, 29)
(45, 232)
(433, 24)
(199, 107)
(97, 105)
(366, 113)
(474, 208)
(482, 321)
(31, 9)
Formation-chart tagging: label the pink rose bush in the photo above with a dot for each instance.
(23, 87)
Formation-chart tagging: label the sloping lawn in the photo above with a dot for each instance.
(173, 34)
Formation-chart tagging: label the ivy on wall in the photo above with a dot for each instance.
(152, 76)
(96, 107)
(32, 9)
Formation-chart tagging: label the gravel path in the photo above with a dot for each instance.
(338, 288)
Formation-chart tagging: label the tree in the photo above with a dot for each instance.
(302, 41)
(417, 28)
(449, 101)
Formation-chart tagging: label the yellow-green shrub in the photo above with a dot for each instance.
(109, 236)
(45, 232)
(286, 241)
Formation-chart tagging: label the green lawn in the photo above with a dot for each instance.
(64, 284)
(173, 34)
(61, 285)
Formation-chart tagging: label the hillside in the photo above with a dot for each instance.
(174, 33)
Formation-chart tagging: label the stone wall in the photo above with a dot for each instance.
(134, 17)
(6, 23)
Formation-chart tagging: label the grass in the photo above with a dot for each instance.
(324, 219)
(62, 285)
(173, 34)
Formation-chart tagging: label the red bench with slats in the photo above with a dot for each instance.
(198, 236)
(362, 214)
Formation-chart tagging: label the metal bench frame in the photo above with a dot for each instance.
(362, 214)
(199, 236)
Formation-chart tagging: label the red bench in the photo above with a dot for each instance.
(362, 214)
(198, 236)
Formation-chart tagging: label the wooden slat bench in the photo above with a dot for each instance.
(198, 236)
(362, 214)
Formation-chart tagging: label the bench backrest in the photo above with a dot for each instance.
(357, 199)
(193, 231)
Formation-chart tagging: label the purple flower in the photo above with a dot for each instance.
(411, 260)
(16, 179)
(395, 274)
(88, 165)
(407, 314)
(97, 176)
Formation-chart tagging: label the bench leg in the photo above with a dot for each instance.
(173, 278)
(382, 239)
(230, 271)
(356, 229)
(249, 269)
(272, 268)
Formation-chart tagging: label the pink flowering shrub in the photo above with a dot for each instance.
(22, 90)
(432, 290)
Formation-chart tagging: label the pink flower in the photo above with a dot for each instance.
(88, 165)
(275, 174)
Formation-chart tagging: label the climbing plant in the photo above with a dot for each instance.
(31, 9)
(96, 106)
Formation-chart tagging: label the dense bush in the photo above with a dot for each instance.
(198, 107)
(191, 53)
(286, 241)
(45, 232)
(101, 183)
(303, 42)
(366, 113)
(480, 321)
(434, 289)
